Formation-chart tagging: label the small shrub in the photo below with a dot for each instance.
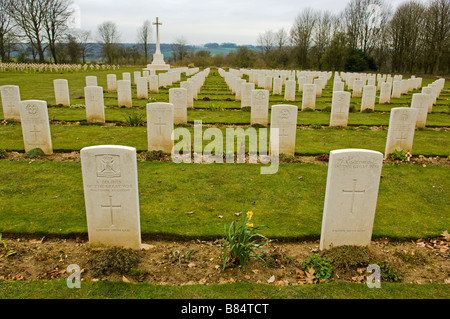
(327, 109)
(308, 109)
(3, 154)
(322, 266)
(315, 126)
(348, 257)
(114, 260)
(277, 258)
(35, 152)
(414, 258)
(152, 155)
(135, 119)
(399, 155)
(388, 273)
(180, 256)
(246, 108)
(367, 111)
(352, 109)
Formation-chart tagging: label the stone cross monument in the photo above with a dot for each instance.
(158, 58)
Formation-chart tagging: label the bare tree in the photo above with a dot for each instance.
(144, 35)
(83, 37)
(437, 30)
(57, 14)
(266, 41)
(180, 49)
(405, 32)
(322, 35)
(302, 34)
(109, 36)
(29, 16)
(6, 30)
(364, 20)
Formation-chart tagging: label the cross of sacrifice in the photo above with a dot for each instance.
(353, 192)
(157, 23)
(111, 209)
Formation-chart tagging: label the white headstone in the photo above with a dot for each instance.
(91, 80)
(338, 86)
(153, 83)
(340, 106)
(385, 93)
(178, 97)
(289, 91)
(190, 94)
(357, 88)
(429, 91)
(302, 80)
(246, 94)
(319, 86)
(124, 93)
(396, 89)
(268, 83)
(402, 125)
(61, 87)
(421, 102)
(10, 102)
(368, 97)
(160, 127)
(259, 107)
(126, 76)
(111, 196)
(95, 108)
(111, 80)
(277, 86)
(284, 117)
(35, 126)
(142, 88)
(309, 96)
(350, 198)
(136, 76)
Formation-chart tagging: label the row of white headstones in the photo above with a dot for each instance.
(110, 182)
(161, 117)
(48, 67)
(111, 189)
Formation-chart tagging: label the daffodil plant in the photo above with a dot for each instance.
(243, 242)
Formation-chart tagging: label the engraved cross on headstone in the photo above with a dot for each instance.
(35, 131)
(353, 192)
(111, 209)
(160, 125)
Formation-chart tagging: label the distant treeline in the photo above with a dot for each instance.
(368, 35)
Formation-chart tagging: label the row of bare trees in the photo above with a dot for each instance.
(367, 34)
(41, 23)
(46, 27)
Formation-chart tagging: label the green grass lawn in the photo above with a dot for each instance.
(110, 290)
(47, 198)
(318, 141)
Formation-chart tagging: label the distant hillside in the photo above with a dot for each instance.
(95, 49)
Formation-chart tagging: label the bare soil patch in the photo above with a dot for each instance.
(199, 262)
(321, 159)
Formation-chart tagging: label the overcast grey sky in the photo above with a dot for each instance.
(200, 21)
